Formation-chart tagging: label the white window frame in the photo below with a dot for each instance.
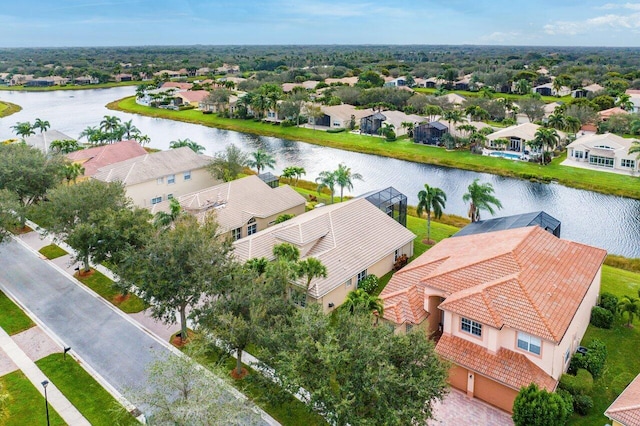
(171, 179)
(348, 283)
(156, 200)
(236, 234)
(528, 343)
(252, 228)
(187, 175)
(361, 276)
(471, 327)
(567, 355)
(625, 162)
(160, 180)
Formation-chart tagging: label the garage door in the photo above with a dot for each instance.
(494, 393)
(458, 377)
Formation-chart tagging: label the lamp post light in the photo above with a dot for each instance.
(46, 401)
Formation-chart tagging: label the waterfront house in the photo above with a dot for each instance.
(97, 157)
(42, 141)
(541, 219)
(590, 90)
(518, 136)
(507, 308)
(429, 133)
(153, 178)
(242, 207)
(634, 97)
(339, 116)
(625, 410)
(607, 152)
(352, 239)
(192, 97)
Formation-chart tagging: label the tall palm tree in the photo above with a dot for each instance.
(431, 199)
(64, 146)
(546, 137)
(109, 123)
(630, 305)
(522, 86)
(23, 129)
(163, 220)
(624, 102)
(311, 268)
(453, 116)
(327, 179)
(635, 149)
(360, 299)
(129, 129)
(556, 121)
(195, 147)
(481, 198)
(572, 124)
(431, 111)
(42, 125)
(345, 178)
(88, 133)
(72, 171)
(142, 139)
(261, 159)
(293, 172)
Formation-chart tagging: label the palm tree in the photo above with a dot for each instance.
(327, 179)
(408, 125)
(72, 171)
(453, 116)
(360, 299)
(630, 305)
(431, 199)
(109, 123)
(286, 252)
(88, 133)
(431, 111)
(344, 178)
(142, 139)
(261, 159)
(42, 125)
(163, 220)
(522, 87)
(293, 171)
(129, 129)
(195, 147)
(23, 129)
(572, 124)
(635, 149)
(556, 121)
(624, 102)
(481, 198)
(545, 137)
(311, 268)
(64, 146)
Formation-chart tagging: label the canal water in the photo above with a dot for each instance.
(612, 223)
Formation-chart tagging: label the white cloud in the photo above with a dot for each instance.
(610, 21)
(631, 6)
(500, 37)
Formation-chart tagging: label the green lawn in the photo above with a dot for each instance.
(104, 287)
(12, 319)
(623, 345)
(52, 251)
(26, 405)
(609, 183)
(418, 226)
(7, 108)
(92, 400)
(72, 86)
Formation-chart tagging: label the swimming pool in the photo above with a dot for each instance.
(509, 155)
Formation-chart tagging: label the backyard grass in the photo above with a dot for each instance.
(608, 183)
(7, 108)
(623, 347)
(52, 251)
(26, 405)
(104, 287)
(12, 319)
(92, 400)
(418, 226)
(71, 86)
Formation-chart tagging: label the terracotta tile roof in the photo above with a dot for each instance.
(524, 278)
(193, 95)
(626, 408)
(507, 367)
(100, 156)
(176, 84)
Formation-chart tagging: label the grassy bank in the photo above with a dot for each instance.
(71, 87)
(608, 183)
(7, 108)
(102, 285)
(26, 405)
(12, 319)
(52, 251)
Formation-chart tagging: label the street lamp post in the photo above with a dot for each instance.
(46, 401)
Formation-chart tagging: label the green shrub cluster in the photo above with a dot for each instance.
(580, 384)
(582, 404)
(601, 317)
(340, 130)
(369, 284)
(609, 302)
(593, 361)
(537, 407)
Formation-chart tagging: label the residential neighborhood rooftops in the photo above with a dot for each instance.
(152, 166)
(524, 131)
(237, 201)
(193, 95)
(100, 156)
(626, 408)
(524, 278)
(346, 237)
(177, 85)
(607, 113)
(606, 142)
(542, 219)
(43, 140)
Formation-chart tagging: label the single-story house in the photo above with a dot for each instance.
(394, 118)
(177, 85)
(86, 79)
(242, 206)
(97, 157)
(204, 71)
(228, 69)
(350, 81)
(20, 79)
(518, 137)
(371, 124)
(463, 83)
(234, 80)
(339, 116)
(550, 108)
(454, 98)
(123, 77)
(591, 89)
(308, 85)
(507, 308)
(606, 114)
(43, 140)
(193, 97)
(47, 81)
(433, 82)
(170, 73)
(429, 133)
(153, 178)
(334, 235)
(548, 90)
(625, 410)
(634, 97)
(395, 82)
(606, 152)
(541, 219)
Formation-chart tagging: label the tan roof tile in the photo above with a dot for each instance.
(626, 408)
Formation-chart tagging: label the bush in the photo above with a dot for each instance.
(582, 404)
(390, 136)
(537, 407)
(620, 382)
(601, 317)
(580, 384)
(369, 284)
(288, 123)
(596, 358)
(609, 302)
(578, 361)
(336, 130)
(568, 399)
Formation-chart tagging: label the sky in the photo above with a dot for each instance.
(55, 23)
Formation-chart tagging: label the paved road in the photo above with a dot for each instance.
(117, 349)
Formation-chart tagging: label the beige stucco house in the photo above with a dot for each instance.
(242, 207)
(352, 239)
(518, 136)
(153, 178)
(607, 152)
(339, 116)
(625, 410)
(509, 307)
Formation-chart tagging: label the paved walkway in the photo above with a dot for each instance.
(56, 399)
(458, 409)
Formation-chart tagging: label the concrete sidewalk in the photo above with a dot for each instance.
(56, 399)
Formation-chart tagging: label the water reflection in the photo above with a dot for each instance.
(605, 221)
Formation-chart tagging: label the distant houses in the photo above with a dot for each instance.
(606, 152)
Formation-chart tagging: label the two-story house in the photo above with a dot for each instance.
(507, 308)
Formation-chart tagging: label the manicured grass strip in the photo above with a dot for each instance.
(418, 226)
(608, 183)
(52, 251)
(26, 405)
(7, 108)
(290, 412)
(104, 287)
(92, 400)
(12, 319)
(71, 86)
(623, 346)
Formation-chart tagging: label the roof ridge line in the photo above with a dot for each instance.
(535, 308)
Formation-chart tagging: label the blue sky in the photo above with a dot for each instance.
(43, 23)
